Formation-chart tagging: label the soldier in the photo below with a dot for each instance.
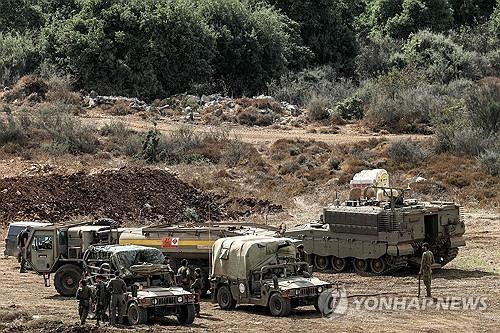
(83, 295)
(169, 276)
(184, 275)
(117, 288)
(102, 299)
(301, 254)
(426, 268)
(196, 288)
(22, 240)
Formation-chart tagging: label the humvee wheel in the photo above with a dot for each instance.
(378, 265)
(338, 264)
(279, 306)
(225, 299)
(320, 262)
(360, 265)
(186, 314)
(66, 279)
(137, 315)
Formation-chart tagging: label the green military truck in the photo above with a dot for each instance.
(155, 295)
(262, 270)
(59, 249)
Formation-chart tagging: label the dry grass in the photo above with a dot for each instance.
(260, 103)
(121, 109)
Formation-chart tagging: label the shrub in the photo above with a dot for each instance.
(300, 87)
(18, 56)
(115, 129)
(350, 108)
(490, 160)
(60, 90)
(236, 151)
(121, 108)
(406, 152)
(11, 131)
(317, 109)
(67, 133)
(254, 117)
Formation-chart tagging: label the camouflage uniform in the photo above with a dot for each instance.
(426, 270)
(83, 295)
(196, 288)
(185, 277)
(102, 301)
(117, 288)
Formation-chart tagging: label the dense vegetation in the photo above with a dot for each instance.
(415, 66)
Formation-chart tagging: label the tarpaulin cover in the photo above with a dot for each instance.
(122, 258)
(236, 257)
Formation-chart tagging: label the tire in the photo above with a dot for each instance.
(378, 266)
(279, 306)
(360, 265)
(320, 263)
(136, 315)
(186, 314)
(338, 264)
(66, 279)
(225, 298)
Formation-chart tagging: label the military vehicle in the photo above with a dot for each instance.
(378, 230)
(191, 241)
(14, 229)
(262, 270)
(59, 249)
(153, 292)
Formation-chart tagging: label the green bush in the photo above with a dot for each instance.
(317, 109)
(377, 55)
(11, 131)
(471, 11)
(18, 56)
(440, 59)
(350, 108)
(406, 152)
(300, 87)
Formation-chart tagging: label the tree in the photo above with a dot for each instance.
(19, 15)
(468, 12)
(254, 44)
(495, 21)
(326, 27)
(400, 18)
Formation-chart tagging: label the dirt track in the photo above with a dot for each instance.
(255, 135)
(460, 279)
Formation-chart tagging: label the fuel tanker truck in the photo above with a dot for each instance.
(377, 230)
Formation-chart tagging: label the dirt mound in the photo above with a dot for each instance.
(125, 195)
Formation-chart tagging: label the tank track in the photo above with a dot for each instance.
(450, 255)
(397, 264)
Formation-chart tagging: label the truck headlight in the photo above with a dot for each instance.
(297, 292)
(320, 289)
(179, 299)
(154, 301)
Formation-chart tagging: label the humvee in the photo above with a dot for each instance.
(152, 290)
(262, 270)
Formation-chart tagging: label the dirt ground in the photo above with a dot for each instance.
(474, 273)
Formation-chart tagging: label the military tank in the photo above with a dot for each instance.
(377, 230)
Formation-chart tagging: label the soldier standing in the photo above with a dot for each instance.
(117, 288)
(184, 275)
(426, 268)
(83, 295)
(196, 288)
(301, 254)
(102, 299)
(22, 241)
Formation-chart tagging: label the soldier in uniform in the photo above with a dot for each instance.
(117, 288)
(426, 268)
(83, 295)
(196, 288)
(184, 275)
(301, 254)
(22, 240)
(102, 300)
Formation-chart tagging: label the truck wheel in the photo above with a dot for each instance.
(225, 299)
(378, 266)
(279, 306)
(137, 315)
(186, 314)
(320, 262)
(66, 279)
(338, 264)
(360, 265)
